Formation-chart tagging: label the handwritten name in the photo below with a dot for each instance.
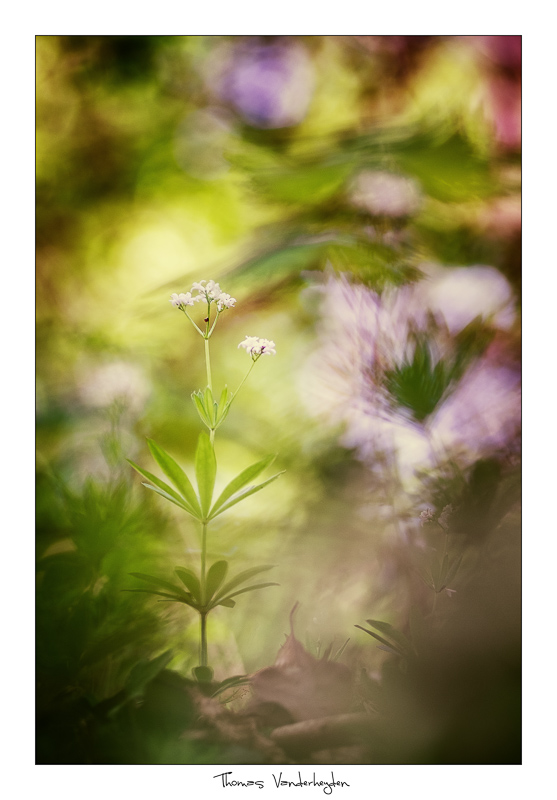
(279, 781)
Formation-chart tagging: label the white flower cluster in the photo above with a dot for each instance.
(211, 292)
(427, 516)
(258, 347)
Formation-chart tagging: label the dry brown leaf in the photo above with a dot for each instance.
(305, 686)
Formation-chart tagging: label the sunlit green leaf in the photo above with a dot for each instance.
(163, 488)
(205, 471)
(215, 576)
(169, 497)
(198, 403)
(176, 474)
(173, 597)
(240, 481)
(162, 584)
(242, 577)
(244, 494)
(190, 580)
(242, 591)
(227, 603)
(209, 406)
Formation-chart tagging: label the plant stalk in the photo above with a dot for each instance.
(203, 642)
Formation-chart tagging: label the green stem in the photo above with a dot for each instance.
(197, 328)
(246, 376)
(203, 646)
(208, 364)
(203, 614)
(203, 560)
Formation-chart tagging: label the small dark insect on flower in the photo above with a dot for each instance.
(206, 319)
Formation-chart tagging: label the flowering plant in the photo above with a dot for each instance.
(205, 590)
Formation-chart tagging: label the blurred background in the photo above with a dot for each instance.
(359, 196)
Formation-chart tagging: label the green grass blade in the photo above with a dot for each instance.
(205, 471)
(238, 483)
(397, 637)
(390, 645)
(176, 474)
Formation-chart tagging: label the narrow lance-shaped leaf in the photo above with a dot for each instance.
(240, 481)
(242, 591)
(198, 403)
(190, 580)
(163, 489)
(242, 577)
(215, 577)
(160, 582)
(176, 474)
(242, 495)
(173, 598)
(453, 569)
(205, 471)
(390, 645)
(388, 630)
(172, 500)
(208, 402)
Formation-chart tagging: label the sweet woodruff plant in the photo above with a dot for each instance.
(207, 588)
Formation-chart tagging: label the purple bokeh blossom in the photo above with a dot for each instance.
(270, 86)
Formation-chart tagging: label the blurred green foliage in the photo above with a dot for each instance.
(151, 174)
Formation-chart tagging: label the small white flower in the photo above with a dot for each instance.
(427, 516)
(258, 347)
(225, 301)
(183, 299)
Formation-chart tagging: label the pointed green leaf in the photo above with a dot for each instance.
(176, 474)
(241, 480)
(444, 568)
(164, 494)
(242, 591)
(205, 471)
(242, 577)
(172, 597)
(209, 406)
(162, 584)
(190, 580)
(215, 577)
(221, 409)
(246, 493)
(435, 568)
(453, 569)
(388, 630)
(227, 603)
(162, 488)
(198, 403)
(390, 645)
